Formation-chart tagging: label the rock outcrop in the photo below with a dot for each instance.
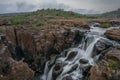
(113, 34)
(37, 45)
(108, 68)
(101, 47)
(11, 69)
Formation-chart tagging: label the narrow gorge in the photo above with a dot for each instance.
(85, 52)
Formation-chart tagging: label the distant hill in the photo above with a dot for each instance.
(47, 12)
(112, 14)
(41, 17)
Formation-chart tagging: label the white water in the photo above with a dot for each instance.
(83, 52)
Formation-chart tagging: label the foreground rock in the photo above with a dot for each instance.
(101, 47)
(113, 34)
(11, 69)
(38, 45)
(107, 69)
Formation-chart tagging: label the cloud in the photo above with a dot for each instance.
(24, 7)
(80, 6)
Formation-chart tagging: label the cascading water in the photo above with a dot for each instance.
(73, 62)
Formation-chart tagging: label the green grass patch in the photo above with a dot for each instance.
(18, 21)
(39, 24)
(113, 65)
(106, 25)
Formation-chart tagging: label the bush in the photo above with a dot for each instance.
(106, 25)
(39, 24)
(18, 21)
(113, 65)
(4, 67)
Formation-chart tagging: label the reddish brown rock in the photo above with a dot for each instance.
(108, 69)
(37, 45)
(113, 34)
(11, 69)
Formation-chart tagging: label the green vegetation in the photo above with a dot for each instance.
(39, 24)
(113, 65)
(18, 21)
(106, 25)
(45, 17)
(57, 13)
(112, 14)
(4, 68)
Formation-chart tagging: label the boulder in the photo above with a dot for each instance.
(71, 56)
(108, 68)
(101, 47)
(11, 69)
(83, 61)
(113, 34)
(67, 78)
(57, 70)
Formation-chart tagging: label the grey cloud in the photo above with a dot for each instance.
(80, 6)
(7, 8)
(24, 7)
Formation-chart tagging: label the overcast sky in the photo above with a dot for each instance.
(9, 6)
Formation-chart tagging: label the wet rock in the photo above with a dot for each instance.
(96, 24)
(113, 34)
(101, 47)
(57, 70)
(107, 69)
(83, 61)
(78, 37)
(71, 56)
(73, 68)
(67, 78)
(86, 71)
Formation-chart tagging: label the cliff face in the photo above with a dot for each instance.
(34, 46)
(108, 68)
(113, 34)
(24, 51)
(11, 69)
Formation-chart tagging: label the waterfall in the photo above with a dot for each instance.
(49, 77)
(89, 49)
(44, 76)
(77, 58)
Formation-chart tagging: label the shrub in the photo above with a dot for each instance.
(39, 24)
(18, 21)
(106, 25)
(4, 67)
(113, 65)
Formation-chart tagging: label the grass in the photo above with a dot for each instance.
(18, 21)
(39, 24)
(113, 65)
(106, 25)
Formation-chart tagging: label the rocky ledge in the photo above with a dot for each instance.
(11, 69)
(108, 68)
(28, 49)
(113, 34)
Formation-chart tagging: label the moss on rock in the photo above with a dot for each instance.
(113, 65)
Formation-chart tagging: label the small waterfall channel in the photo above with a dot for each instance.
(74, 63)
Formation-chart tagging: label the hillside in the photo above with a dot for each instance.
(41, 17)
(112, 14)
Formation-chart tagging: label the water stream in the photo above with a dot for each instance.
(73, 62)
